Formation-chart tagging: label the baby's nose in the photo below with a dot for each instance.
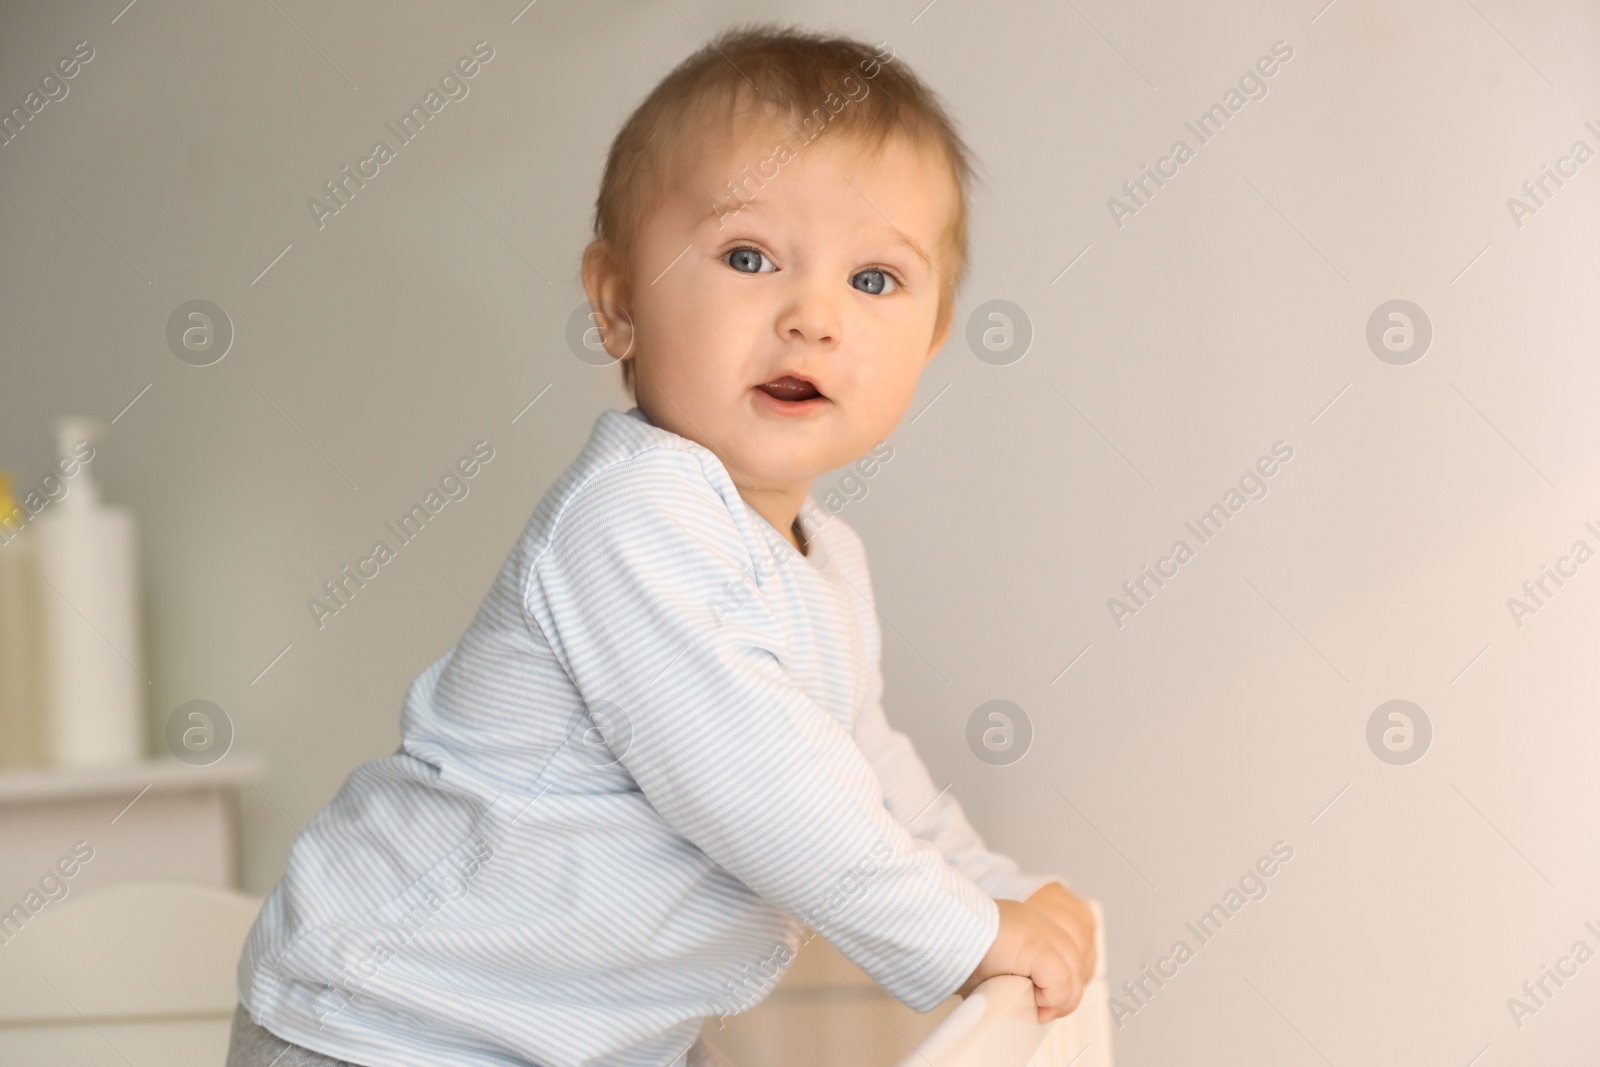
(812, 315)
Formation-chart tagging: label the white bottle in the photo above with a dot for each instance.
(89, 595)
(22, 696)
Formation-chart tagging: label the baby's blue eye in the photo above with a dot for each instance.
(873, 281)
(748, 261)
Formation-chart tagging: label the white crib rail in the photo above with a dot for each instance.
(997, 1025)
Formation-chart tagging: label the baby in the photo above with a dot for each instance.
(659, 748)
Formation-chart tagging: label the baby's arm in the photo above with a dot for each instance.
(934, 815)
(725, 747)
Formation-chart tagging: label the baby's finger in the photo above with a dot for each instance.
(1077, 919)
(1056, 1001)
(1058, 985)
(1080, 923)
(1083, 953)
(1080, 951)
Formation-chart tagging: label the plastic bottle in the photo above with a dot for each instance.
(22, 696)
(89, 591)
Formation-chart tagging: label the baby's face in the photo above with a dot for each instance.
(819, 275)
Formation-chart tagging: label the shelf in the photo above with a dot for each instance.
(29, 785)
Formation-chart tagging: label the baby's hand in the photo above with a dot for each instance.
(1033, 945)
(1073, 915)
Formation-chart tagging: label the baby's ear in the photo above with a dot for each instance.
(605, 284)
(941, 330)
(599, 270)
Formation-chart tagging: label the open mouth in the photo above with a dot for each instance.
(790, 389)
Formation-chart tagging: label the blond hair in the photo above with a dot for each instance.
(788, 74)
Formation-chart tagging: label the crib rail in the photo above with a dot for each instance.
(997, 1025)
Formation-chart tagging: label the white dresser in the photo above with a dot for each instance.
(156, 820)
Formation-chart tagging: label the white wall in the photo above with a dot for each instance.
(1224, 316)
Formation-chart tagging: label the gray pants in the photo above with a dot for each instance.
(253, 1045)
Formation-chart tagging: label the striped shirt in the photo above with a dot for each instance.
(656, 750)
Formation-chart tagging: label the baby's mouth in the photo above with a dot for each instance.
(789, 388)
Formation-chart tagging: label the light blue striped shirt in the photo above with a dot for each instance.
(657, 749)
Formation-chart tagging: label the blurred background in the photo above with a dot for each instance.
(1371, 271)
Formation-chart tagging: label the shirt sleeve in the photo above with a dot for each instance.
(934, 815)
(652, 600)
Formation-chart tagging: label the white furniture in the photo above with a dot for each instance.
(143, 974)
(824, 1011)
(140, 974)
(997, 1026)
(154, 820)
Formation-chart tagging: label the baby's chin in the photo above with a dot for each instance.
(767, 460)
(775, 466)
